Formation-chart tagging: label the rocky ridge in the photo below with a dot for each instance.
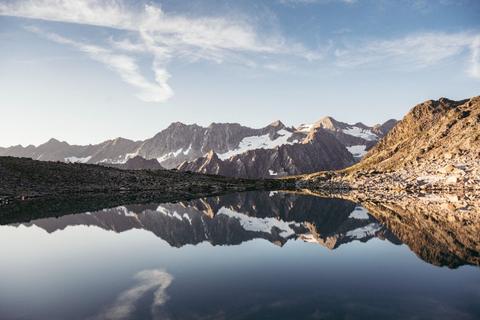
(435, 147)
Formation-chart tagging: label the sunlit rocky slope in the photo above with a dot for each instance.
(435, 146)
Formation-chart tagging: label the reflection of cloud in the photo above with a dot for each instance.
(148, 281)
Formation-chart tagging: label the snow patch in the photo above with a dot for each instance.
(123, 211)
(187, 217)
(305, 127)
(260, 224)
(272, 173)
(173, 154)
(359, 213)
(360, 233)
(258, 142)
(168, 213)
(120, 159)
(188, 150)
(358, 150)
(77, 160)
(361, 133)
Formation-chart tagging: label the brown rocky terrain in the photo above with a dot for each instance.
(435, 147)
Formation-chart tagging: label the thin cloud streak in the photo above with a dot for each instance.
(410, 52)
(475, 59)
(124, 65)
(293, 2)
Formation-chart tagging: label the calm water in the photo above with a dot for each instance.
(243, 256)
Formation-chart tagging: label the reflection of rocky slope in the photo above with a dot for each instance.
(233, 219)
(440, 232)
(435, 146)
(442, 229)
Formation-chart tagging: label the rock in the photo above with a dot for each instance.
(447, 169)
(451, 180)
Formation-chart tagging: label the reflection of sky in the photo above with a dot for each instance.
(84, 271)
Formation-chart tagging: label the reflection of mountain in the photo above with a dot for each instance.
(235, 218)
(443, 233)
(442, 229)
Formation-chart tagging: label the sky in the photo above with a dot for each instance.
(84, 71)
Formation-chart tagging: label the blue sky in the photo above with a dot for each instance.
(86, 71)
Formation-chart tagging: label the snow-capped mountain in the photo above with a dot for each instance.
(319, 150)
(267, 151)
(357, 138)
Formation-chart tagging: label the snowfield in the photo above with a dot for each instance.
(259, 142)
(363, 232)
(361, 133)
(359, 214)
(78, 160)
(357, 151)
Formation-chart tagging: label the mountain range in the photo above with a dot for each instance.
(228, 149)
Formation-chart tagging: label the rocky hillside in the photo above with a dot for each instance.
(26, 178)
(435, 146)
(180, 142)
(358, 138)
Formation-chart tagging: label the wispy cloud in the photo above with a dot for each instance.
(147, 281)
(151, 32)
(410, 52)
(125, 66)
(161, 35)
(290, 2)
(475, 59)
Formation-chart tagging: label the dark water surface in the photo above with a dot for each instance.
(252, 255)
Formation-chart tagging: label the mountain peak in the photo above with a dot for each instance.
(54, 142)
(327, 123)
(277, 124)
(176, 124)
(211, 155)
